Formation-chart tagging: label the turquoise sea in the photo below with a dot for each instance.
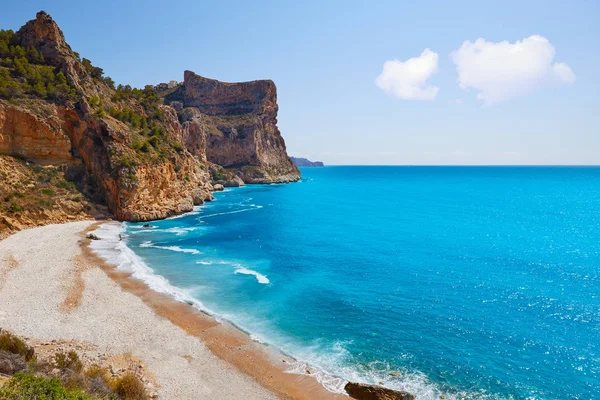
(467, 282)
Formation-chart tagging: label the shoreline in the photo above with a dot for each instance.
(264, 363)
(54, 287)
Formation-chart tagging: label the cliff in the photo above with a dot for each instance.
(234, 125)
(126, 148)
(305, 162)
(56, 108)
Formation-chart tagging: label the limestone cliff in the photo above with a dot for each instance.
(130, 145)
(234, 125)
(126, 148)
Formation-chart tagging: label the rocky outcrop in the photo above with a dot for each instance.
(236, 125)
(44, 34)
(142, 157)
(158, 181)
(362, 391)
(23, 133)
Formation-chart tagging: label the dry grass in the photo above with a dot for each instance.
(129, 387)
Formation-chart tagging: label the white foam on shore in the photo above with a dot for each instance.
(170, 248)
(259, 277)
(114, 250)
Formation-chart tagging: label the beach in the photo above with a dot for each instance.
(54, 289)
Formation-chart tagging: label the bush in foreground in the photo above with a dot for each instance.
(129, 387)
(24, 386)
(12, 344)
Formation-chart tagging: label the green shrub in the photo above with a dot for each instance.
(25, 386)
(14, 207)
(12, 344)
(48, 192)
(45, 203)
(68, 361)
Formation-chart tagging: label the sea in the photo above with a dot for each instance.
(447, 282)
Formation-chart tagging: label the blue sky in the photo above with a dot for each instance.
(325, 57)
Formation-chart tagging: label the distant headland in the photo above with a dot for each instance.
(305, 162)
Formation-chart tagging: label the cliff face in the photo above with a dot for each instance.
(123, 147)
(236, 125)
(27, 134)
(131, 148)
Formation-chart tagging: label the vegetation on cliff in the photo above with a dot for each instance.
(24, 73)
(32, 194)
(146, 161)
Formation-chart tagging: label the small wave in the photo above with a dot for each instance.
(204, 262)
(195, 211)
(330, 382)
(114, 250)
(170, 248)
(259, 277)
(178, 231)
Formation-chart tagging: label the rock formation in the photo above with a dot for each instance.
(143, 159)
(234, 125)
(362, 391)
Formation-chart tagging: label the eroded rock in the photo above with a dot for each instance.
(362, 391)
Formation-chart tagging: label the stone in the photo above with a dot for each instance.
(362, 391)
(92, 236)
(218, 187)
(236, 123)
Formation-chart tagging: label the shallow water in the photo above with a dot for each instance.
(463, 281)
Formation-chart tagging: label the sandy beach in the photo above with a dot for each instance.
(53, 288)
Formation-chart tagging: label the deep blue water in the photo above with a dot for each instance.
(466, 281)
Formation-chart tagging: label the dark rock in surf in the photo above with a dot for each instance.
(362, 391)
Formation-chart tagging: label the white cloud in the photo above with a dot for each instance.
(408, 79)
(502, 70)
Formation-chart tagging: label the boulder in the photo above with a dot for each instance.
(218, 187)
(362, 391)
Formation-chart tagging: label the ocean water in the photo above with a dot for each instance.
(467, 282)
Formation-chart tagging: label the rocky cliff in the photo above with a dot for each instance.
(58, 108)
(131, 150)
(234, 125)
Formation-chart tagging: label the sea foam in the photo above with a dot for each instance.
(259, 277)
(112, 248)
(170, 248)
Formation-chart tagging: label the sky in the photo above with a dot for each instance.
(372, 82)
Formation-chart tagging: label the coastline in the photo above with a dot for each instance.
(82, 304)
